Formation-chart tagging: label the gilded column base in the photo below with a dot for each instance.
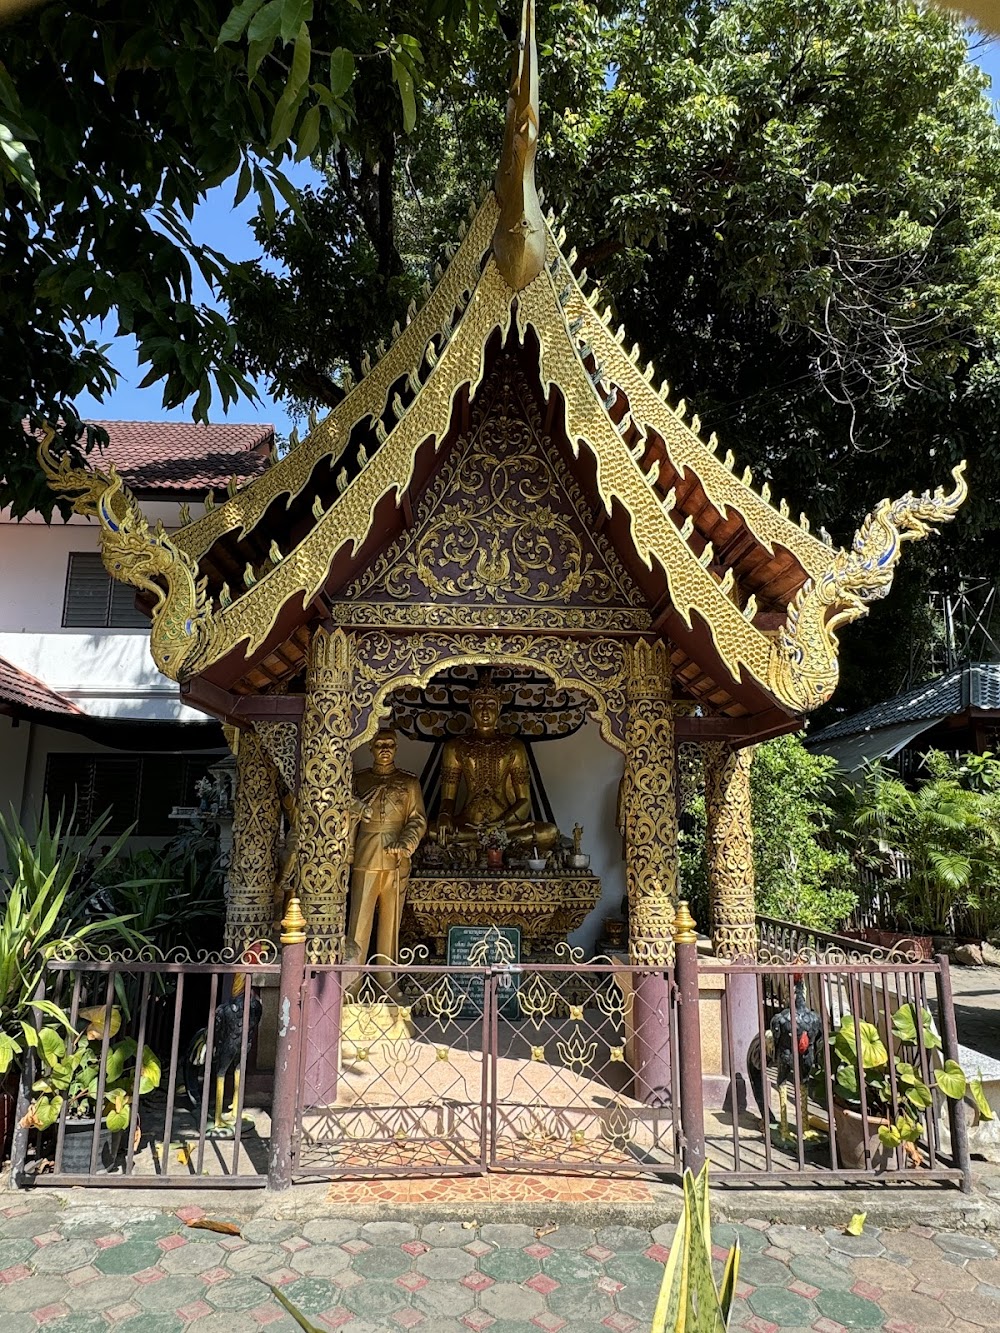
(650, 940)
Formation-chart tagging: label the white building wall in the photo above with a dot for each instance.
(105, 672)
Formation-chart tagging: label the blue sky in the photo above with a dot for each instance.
(217, 223)
(227, 229)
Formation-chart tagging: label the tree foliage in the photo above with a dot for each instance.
(794, 208)
(116, 119)
(801, 863)
(937, 843)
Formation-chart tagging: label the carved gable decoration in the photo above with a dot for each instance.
(502, 536)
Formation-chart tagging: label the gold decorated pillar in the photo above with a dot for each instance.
(650, 804)
(728, 812)
(326, 794)
(253, 862)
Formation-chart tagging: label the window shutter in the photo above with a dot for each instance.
(87, 592)
(162, 789)
(116, 790)
(124, 612)
(69, 787)
(134, 789)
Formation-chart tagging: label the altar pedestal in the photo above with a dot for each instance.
(545, 907)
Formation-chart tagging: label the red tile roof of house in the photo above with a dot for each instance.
(21, 693)
(180, 456)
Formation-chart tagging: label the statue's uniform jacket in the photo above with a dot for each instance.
(394, 816)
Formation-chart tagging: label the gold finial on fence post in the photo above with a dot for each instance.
(684, 929)
(293, 923)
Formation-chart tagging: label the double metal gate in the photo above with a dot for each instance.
(497, 1067)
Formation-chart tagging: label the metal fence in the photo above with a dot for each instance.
(558, 1067)
(841, 1050)
(581, 1066)
(196, 1025)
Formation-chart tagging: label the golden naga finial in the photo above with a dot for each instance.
(803, 671)
(519, 238)
(134, 554)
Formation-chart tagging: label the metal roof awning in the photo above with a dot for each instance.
(853, 752)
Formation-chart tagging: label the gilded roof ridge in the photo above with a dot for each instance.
(619, 475)
(686, 450)
(368, 397)
(519, 238)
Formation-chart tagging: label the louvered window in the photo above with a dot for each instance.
(138, 789)
(94, 600)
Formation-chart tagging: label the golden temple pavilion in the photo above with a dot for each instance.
(507, 506)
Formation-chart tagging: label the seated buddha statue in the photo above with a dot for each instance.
(491, 770)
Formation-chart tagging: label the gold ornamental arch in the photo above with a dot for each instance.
(596, 667)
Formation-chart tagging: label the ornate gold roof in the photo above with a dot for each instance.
(758, 597)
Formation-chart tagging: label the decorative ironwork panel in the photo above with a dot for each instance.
(411, 1094)
(568, 1078)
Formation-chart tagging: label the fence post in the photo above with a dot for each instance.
(19, 1143)
(689, 1039)
(957, 1122)
(286, 1056)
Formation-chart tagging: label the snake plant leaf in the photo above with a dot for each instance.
(668, 1315)
(688, 1301)
(701, 1282)
(727, 1287)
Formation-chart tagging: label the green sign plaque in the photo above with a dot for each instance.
(486, 946)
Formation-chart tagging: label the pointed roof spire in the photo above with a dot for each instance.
(519, 238)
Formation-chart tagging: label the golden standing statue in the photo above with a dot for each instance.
(492, 771)
(390, 825)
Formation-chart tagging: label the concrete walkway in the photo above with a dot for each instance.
(96, 1263)
(977, 1008)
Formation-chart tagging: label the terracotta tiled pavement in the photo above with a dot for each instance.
(88, 1268)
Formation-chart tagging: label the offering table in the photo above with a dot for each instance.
(546, 905)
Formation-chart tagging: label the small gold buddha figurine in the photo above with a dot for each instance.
(493, 772)
(577, 839)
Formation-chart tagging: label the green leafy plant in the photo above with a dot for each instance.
(47, 910)
(689, 1301)
(803, 869)
(172, 896)
(913, 1095)
(70, 1073)
(942, 837)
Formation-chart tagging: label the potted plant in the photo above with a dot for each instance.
(495, 840)
(47, 908)
(889, 1128)
(70, 1074)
